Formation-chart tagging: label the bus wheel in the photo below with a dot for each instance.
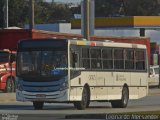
(38, 105)
(10, 86)
(124, 100)
(81, 105)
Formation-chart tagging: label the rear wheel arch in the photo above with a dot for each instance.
(123, 102)
(88, 88)
(85, 100)
(89, 94)
(126, 86)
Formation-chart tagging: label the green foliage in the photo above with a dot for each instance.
(126, 7)
(142, 7)
(18, 12)
(52, 12)
(44, 12)
(105, 8)
(1, 13)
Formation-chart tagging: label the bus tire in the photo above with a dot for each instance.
(10, 86)
(124, 100)
(38, 105)
(88, 100)
(81, 105)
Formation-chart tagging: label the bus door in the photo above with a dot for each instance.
(75, 73)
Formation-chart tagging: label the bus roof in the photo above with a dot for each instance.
(107, 43)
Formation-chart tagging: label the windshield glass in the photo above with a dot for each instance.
(42, 63)
(4, 57)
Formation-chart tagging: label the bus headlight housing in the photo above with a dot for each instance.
(64, 85)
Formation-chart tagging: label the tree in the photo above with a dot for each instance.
(18, 12)
(1, 13)
(105, 8)
(142, 7)
(51, 12)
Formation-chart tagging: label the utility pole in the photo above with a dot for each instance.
(88, 18)
(6, 14)
(31, 14)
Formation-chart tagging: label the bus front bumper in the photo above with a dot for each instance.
(58, 96)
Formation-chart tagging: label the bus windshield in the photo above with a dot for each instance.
(4, 57)
(42, 63)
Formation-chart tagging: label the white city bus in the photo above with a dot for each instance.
(78, 72)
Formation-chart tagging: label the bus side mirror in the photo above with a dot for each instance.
(12, 58)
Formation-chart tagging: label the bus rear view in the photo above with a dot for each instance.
(41, 73)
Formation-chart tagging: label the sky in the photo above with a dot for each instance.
(67, 1)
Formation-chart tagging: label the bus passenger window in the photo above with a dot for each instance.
(129, 59)
(140, 60)
(86, 63)
(75, 60)
(85, 60)
(96, 59)
(107, 58)
(118, 59)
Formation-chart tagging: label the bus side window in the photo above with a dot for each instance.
(107, 58)
(74, 63)
(75, 60)
(85, 59)
(118, 59)
(96, 58)
(129, 59)
(140, 60)
(74, 56)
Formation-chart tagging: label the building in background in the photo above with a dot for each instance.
(66, 28)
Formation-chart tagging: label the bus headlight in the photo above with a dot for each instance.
(64, 85)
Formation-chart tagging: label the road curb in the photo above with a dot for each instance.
(7, 97)
(154, 92)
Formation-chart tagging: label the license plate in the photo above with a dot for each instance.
(41, 96)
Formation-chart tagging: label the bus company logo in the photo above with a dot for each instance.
(92, 77)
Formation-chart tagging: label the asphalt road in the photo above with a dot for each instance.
(24, 110)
